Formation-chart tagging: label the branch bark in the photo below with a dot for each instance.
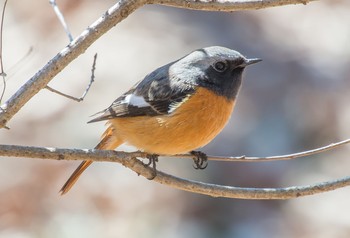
(118, 12)
(229, 5)
(129, 160)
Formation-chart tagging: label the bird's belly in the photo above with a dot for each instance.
(194, 124)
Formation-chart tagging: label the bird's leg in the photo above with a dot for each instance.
(200, 159)
(153, 159)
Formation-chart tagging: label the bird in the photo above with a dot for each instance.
(175, 109)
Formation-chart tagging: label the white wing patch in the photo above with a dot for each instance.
(176, 105)
(134, 100)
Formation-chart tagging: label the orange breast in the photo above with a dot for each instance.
(194, 124)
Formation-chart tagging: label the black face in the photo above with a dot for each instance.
(224, 77)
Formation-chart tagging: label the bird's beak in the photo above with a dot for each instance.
(250, 61)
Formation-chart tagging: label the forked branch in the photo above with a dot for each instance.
(129, 160)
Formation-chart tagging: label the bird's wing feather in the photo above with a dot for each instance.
(155, 95)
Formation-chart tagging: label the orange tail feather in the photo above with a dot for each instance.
(108, 142)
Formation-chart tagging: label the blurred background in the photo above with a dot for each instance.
(296, 99)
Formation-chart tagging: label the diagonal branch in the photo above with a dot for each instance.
(129, 160)
(61, 19)
(118, 12)
(115, 14)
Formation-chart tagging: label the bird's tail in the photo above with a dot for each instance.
(109, 142)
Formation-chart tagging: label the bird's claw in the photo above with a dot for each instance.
(200, 159)
(153, 159)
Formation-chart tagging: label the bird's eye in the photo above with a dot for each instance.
(220, 66)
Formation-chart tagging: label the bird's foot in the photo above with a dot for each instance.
(153, 159)
(200, 159)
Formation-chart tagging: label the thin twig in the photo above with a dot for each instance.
(62, 94)
(92, 79)
(129, 160)
(2, 72)
(61, 18)
(244, 158)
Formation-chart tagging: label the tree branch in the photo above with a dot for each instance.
(129, 160)
(61, 19)
(2, 70)
(244, 158)
(78, 46)
(229, 5)
(121, 10)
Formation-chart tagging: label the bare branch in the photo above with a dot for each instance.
(62, 94)
(67, 154)
(229, 5)
(92, 79)
(244, 158)
(61, 18)
(129, 160)
(111, 156)
(115, 14)
(215, 190)
(2, 72)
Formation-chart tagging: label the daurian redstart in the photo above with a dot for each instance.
(175, 109)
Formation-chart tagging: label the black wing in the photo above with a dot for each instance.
(157, 94)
